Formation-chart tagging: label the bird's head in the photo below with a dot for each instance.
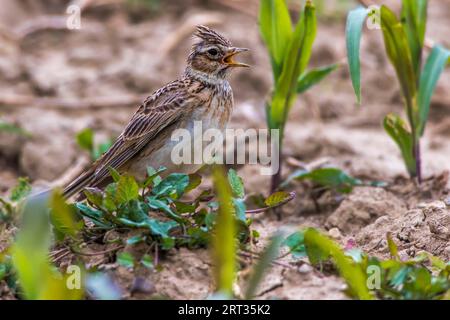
(213, 54)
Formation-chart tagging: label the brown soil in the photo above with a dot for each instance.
(122, 54)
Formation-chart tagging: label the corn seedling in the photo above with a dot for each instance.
(404, 44)
(290, 51)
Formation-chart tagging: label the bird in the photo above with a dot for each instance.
(201, 93)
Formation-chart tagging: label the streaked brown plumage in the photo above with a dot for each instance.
(201, 94)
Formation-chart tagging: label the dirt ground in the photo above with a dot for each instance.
(54, 83)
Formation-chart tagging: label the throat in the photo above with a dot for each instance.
(209, 78)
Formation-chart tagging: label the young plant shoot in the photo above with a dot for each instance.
(404, 41)
(290, 51)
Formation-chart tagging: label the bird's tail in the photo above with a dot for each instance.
(85, 179)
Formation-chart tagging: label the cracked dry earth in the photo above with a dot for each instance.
(115, 57)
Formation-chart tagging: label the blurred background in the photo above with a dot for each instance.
(55, 82)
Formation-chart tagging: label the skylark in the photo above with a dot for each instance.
(201, 94)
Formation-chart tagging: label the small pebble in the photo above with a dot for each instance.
(141, 285)
(335, 233)
(447, 201)
(421, 205)
(305, 268)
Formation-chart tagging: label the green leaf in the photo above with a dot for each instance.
(276, 30)
(393, 250)
(277, 198)
(126, 260)
(329, 177)
(135, 239)
(296, 244)
(397, 129)
(167, 243)
(223, 241)
(114, 174)
(94, 196)
(295, 62)
(313, 77)
(96, 216)
(147, 261)
(431, 72)
(127, 189)
(414, 19)
(319, 247)
(262, 266)
(174, 184)
(161, 228)
(21, 190)
(237, 186)
(239, 208)
(183, 207)
(353, 31)
(355, 254)
(85, 139)
(152, 174)
(399, 53)
(400, 276)
(63, 216)
(3, 271)
(194, 181)
(37, 277)
(162, 205)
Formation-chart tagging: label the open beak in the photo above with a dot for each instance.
(228, 59)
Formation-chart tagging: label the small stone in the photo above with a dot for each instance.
(447, 201)
(421, 205)
(438, 204)
(335, 233)
(434, 205)
(305, 268)
(141, 285)
(404, 256)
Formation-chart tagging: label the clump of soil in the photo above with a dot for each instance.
(362, 207)
(424, 228)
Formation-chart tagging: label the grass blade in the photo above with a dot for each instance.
(223, 241)
(276, 30)
(397, 49)
(414, 19)
(295, 62)
(38, 278)
(263, 264)
(353, 31)
(319, 246)
(399, 132)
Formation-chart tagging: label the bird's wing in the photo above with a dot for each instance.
(160, 110)
(152, 117)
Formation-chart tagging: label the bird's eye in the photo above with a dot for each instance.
(213, 52)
